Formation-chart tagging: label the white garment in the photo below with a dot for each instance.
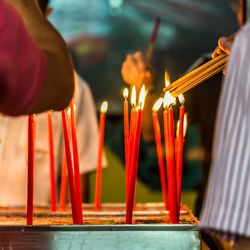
(227, 204)
(13, 149)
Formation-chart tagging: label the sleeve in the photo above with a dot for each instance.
(22, 64)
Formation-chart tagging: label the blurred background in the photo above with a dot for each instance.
(101, 32)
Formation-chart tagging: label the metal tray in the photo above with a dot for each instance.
(172, 237)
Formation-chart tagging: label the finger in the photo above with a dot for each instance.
(141, 66)
(219, 51)
(139, 55)
(130, 59)
(225, 45)
(147, 75)
(129, 56)
(214, 54)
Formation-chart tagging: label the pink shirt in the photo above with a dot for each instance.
(22, 64)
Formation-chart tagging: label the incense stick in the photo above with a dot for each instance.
(153, 38)
(197, 76)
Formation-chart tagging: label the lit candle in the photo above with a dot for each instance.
(159, 150)
(133, 118)
(126, 130)
(30, 185)
(76, 164)
(98, 182)
(52, 164)
(170, 157)
(179, 147)
(135, 155)
(69, 168)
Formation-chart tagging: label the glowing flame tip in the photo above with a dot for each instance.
(125, 93)
(104, 107)
(168, 100)
(142, 97)
(181, 98)
(157, 105)
(133, 96)
(167, 79)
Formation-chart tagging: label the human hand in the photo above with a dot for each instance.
(224, 46)
(136, 71)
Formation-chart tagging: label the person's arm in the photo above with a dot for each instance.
(58, 86)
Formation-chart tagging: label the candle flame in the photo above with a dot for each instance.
(142, 97)
(125, 93)
(167, 79)
(177, 128)
(104, 107)
(168, 100)
(185, 125)
(133, 97)
(157, 105)
(68, 112)
(181, 99)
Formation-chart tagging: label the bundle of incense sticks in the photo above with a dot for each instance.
(197, 76)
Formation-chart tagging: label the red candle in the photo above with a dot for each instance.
(69, 168)
(159, 150)
(133, 170)
(126, 131)
(98, 182)
(52, 164)
(170, 157)
(63, 182)
(174, 215)
(134, 161)
(76, 165)
(133, 117)
(63, 187)
(179, 153)
(30, 185)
